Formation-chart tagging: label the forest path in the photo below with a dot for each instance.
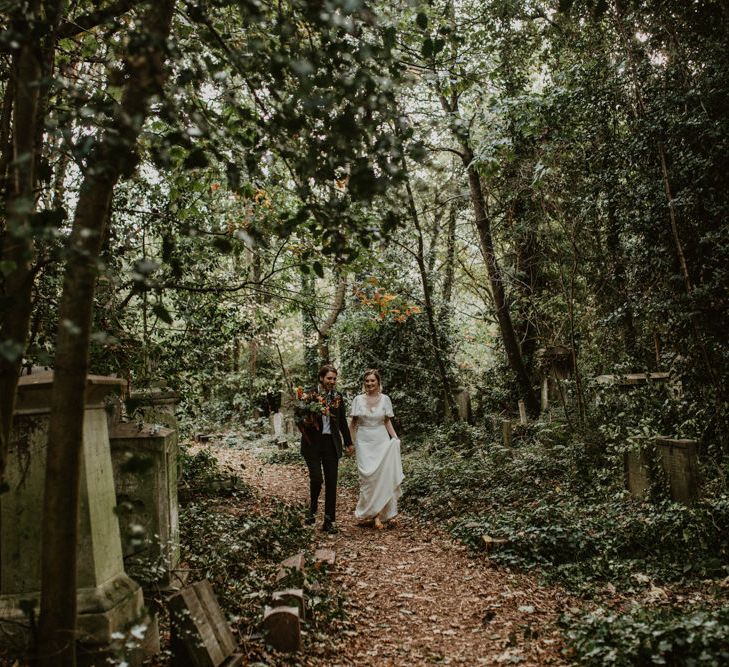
(413, 593)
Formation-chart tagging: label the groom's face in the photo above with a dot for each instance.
(328, 381)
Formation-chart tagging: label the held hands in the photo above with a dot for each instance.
(350, 450)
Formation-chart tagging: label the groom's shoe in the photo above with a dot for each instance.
(309, 519)
(330, 527)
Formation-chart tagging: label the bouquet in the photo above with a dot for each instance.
(309, 405)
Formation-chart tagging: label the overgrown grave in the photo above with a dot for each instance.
(238, 538)
(201, 635)
(286, 611)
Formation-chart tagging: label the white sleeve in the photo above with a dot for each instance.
(355, 409)
(388, 407)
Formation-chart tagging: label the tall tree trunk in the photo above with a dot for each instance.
(325, 329)
(308, 324)
(450, 260)
(508, 335)
(451, 409)
(113, 153)
(28, 95)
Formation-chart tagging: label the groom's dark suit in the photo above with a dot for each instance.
(322, 447)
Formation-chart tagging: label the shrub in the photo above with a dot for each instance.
(672, 636)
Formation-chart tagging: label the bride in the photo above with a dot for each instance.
(377, 450)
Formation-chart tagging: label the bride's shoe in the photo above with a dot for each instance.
(378, 524)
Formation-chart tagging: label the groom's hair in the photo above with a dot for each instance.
(327, 368)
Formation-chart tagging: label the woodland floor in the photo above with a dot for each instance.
(413, 594)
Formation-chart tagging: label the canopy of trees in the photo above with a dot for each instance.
(218, 195)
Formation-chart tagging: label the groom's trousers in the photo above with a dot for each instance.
(322, 456)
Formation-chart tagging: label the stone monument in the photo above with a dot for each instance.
(145, 475)
(109, 601)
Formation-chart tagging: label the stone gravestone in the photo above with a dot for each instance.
(290, 597)
(109, 602)
(463, 404)
(283, 628)
(156, 405)
(145, 476)
(201, 636)
(678, 461)
(556, 364)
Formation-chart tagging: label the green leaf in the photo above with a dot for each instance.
(318, 269)
(160, 311)
(422, 21)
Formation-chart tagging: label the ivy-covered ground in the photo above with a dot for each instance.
(408, 595)
(523, 555)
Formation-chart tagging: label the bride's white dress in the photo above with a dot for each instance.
(378, 460)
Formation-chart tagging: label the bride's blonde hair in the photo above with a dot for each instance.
(376, 373)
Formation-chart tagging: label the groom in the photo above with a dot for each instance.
(321, 447)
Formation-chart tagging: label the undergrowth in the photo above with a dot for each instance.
(237, 542)
(554, 506)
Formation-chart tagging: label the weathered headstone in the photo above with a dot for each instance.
(463, 404)
(201, 636)
(108, 600)
(283, 628)
(544, 398)
(681, 465)
(678, 461)
(292, 566)
(556, 364)
(145, 476)
(156, 405)
(506, 431)
(522, 413)
(291, 597)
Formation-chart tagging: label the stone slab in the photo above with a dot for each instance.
(201, 636)
(325, 556)
(293, 564)
(678, 461)
(147, 497)
(290, 597)
(632, 379)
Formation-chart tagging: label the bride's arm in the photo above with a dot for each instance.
(390, 428)
(353, 429)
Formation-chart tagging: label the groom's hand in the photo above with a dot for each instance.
(350, 450)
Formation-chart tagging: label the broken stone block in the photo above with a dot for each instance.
(325, 557)
(283, 627)
(201, 636)
(293, 565)
(291, 597)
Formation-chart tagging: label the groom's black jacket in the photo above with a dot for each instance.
(310, 437)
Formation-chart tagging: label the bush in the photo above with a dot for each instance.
(561, 513)
(649, 637)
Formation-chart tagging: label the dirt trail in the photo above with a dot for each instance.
(414, 594)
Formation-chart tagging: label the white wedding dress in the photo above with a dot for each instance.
(378, 460)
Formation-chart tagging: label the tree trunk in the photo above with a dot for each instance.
(113, 153)
(325, 329)
(26, 92)
(450, 261)
(451, 409)
(508, 335)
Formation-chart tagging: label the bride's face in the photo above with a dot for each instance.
(371, 384)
